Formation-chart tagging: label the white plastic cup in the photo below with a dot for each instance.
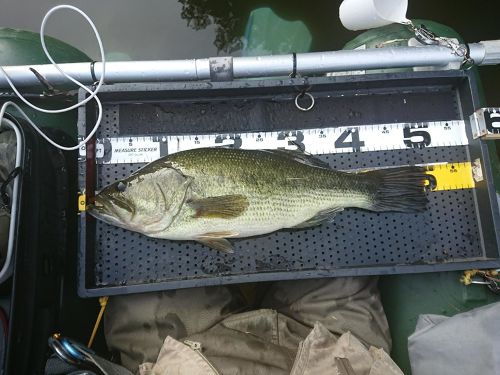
(369, 14)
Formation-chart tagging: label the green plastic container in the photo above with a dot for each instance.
(268, 34)
(19, 47)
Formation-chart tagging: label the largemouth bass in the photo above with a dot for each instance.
(212, 194)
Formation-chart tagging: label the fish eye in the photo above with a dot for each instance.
(121, 186)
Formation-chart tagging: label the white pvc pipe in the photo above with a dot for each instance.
(483, 53)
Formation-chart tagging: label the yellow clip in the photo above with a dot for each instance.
(450, 176)
(82, 202)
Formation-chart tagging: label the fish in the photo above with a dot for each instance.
(211, 195)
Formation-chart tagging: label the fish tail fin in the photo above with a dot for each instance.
(399, 189)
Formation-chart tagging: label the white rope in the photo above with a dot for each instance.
(93, 94)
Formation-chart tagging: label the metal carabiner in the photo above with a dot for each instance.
(73, 353)
(424, 35)
(60, 351)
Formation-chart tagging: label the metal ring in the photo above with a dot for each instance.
(300, 95)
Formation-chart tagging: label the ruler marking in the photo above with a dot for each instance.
(372, 137)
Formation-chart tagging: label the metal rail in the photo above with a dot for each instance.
(228, 68)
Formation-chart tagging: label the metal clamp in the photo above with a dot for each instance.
(221, 69)
(427, 37)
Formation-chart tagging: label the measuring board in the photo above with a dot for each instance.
(388, 121)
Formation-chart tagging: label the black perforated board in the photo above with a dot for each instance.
(448, 236)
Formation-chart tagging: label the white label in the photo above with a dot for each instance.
(127, 150)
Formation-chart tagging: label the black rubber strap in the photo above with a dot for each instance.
(294, 71)
(305, 88)
(92, 72)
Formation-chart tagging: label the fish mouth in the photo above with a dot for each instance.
(108, 210)
(101, 214)
(98, 210)
(96, 207)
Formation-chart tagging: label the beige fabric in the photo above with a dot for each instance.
(256, 342)
(135, 326)
(263, 341)
(319, 353)
(383, 363)
(177, 358)
(341, 305)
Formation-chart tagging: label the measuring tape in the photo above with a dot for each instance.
(486, 123)
(333, 140)
(318, 141)
(451, 176)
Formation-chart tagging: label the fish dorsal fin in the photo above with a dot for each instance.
(217, 240)
(325, 216)
(301, 157)
(223, 207)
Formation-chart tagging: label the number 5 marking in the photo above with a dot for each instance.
(416, 138)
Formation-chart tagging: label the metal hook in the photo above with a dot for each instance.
(50, 90)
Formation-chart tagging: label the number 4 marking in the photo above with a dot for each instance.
(355, 143)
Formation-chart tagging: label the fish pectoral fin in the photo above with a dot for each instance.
(325, 216)
(223, 207)
(217, 240)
